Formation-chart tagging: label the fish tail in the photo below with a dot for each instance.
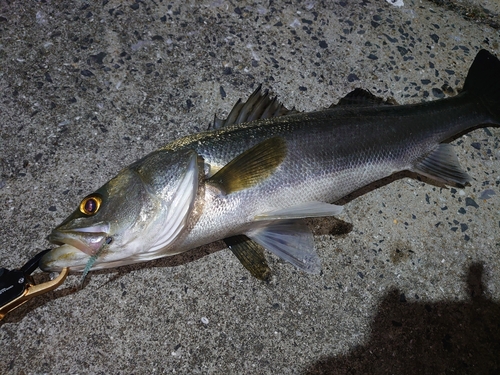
(483, 81)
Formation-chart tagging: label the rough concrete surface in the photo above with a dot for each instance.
(89, 87)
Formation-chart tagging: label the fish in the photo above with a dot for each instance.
(251, 179)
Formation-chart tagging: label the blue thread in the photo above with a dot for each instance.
(89, 265)
(93, 259)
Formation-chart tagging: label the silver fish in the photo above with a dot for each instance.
(250, 179)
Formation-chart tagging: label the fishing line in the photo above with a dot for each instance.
(93, 259)
(89, 265)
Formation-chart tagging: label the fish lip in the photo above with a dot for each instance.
(88, 240)
(64, 256)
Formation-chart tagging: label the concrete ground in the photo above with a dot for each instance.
(89, 87)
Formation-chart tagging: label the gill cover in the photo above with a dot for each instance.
(174, 191)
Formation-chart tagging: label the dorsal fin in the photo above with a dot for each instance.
(363, 98)
(260, 105)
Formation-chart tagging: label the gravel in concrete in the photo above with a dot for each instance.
(89, 87)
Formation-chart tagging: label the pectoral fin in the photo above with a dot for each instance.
(308, 209)
(291, 241)
(251, 167)
(442, 164)
(250, 254)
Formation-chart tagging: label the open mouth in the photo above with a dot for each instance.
(89, 240)
(75, 247)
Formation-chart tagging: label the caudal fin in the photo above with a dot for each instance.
(483, 81)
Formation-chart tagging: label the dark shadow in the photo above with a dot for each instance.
(427, 338)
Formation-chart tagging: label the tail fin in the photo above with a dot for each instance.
(483, 81)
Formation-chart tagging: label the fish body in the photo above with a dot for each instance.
(248, 181)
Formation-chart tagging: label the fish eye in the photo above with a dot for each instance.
(90, 205)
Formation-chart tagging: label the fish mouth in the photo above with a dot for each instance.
(64, 256)
(76, 246)
(89, 240)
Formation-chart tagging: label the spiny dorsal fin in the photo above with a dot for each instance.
(250, 254)
(251, 167)
(260, 105)
(363, 98)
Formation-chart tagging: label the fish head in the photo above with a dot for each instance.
(134, 217)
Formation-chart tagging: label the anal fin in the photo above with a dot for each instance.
(442, 165)
(250, 254)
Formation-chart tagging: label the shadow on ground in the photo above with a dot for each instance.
(427, 338)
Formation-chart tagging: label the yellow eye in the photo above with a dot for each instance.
(90, 205)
